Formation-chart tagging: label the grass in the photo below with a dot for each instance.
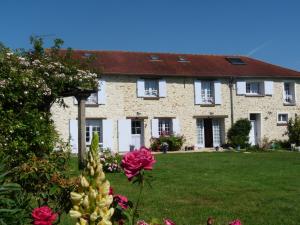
(257, 188)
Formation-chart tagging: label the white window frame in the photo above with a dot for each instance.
(162, 126)
(253, 92)
(90, 124)
(282, 121)
(151, 88)
(200, 132)
(207, 92)
(92, 99)
(291, 95)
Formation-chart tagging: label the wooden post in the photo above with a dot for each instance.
(81, 98)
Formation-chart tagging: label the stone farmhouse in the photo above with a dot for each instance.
(143, 95)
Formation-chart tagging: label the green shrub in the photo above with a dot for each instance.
(14, 207)
(293, 130)
(238, 134)
(175, 142)
(111, 161)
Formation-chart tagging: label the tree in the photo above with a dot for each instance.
(238, 134)
(293, 130)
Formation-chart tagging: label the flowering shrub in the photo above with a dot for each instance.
(43, 216)
(174, 142)
(111, 161)
(235, 222)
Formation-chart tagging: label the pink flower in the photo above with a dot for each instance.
(134, 162)
(43, 216)
(169, 222)
(235, 222)
(141, 222)
(122, 201)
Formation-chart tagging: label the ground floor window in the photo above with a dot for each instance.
(165, 126)
(200, 132)
(282, 118)
(92, 126)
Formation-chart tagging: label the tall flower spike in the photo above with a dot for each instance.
(91, 205)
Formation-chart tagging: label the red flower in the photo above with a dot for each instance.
(122, 201)
(134, 162)
(43, 216)
(235, 222)
(111, 191)
(169, 222)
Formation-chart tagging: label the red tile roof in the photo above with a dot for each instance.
(140, 63)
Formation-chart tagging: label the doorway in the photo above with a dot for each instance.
(137, 133)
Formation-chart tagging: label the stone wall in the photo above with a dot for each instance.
(122, 102)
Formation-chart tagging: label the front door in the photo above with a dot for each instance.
(208, 133)
(137, 133)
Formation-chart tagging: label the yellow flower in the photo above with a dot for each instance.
(83, 222)
(75, 197)
(84, 182)
(74, 214)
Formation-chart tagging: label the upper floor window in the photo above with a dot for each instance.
(253, 88)
(207, 92)
(92, 99)
(289, 93)
(151, 88)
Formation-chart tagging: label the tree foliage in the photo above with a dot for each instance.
(238, 134)
(293, 130)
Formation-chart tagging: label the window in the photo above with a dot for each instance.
(92, 99)
(151, 88)
(182, 59)
(92, 126)
(235, 61)
(282, 118)
(136, 127)
(165, 127)
(253, 88)
(154, 58)
(207, 92)
(289, 93)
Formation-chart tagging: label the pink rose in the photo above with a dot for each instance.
(43, 216)
(235, 222)
(169, 222)
(122, 201)
(111, 191)
(134, 162)
(141, 222)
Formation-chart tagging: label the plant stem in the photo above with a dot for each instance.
(139, 198)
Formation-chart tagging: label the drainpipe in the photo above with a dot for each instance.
(231, 98)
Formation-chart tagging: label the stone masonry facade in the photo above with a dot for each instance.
(122, 102)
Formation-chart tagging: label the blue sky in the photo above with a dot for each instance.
(267, 29)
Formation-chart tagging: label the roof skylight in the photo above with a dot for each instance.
(235, 61)
(154, 57)
(182, 59)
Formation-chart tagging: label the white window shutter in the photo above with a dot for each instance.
(268, 87)
(162, 88)
(73, 132)
(176, 126)
(75, 101)
(154, 128)
(124, 135)
(241, 87)
(197, 87)
(218, 93)
(107, 134)
(140, 88)
(293, 90)
(101, 92)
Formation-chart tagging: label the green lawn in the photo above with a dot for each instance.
(257, 188)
